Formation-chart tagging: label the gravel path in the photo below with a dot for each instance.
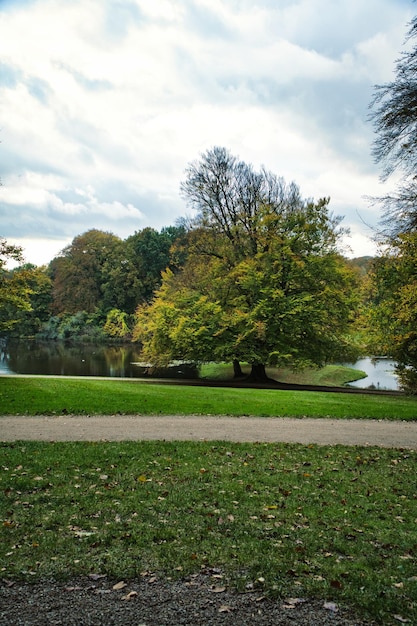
(394, 434)
(195, 601)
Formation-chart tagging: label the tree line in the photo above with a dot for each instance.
(256, 275)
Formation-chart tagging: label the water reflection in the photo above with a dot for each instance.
(380, 373)
(66, 359)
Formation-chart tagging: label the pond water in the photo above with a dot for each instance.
(380, 373)
(65, 359)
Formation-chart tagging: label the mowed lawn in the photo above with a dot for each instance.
(49, 396)
(333, 522)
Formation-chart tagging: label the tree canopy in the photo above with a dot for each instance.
(263, 281)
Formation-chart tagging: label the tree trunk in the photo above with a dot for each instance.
(237, 370)
(258, 373)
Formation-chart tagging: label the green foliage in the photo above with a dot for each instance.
(29, 322)
(78, 274)
(116, 325)
(81, 327)
(262, 281)
(392, 308)
(15, 290)
(180, 324)
(99, 271)
(334, 523)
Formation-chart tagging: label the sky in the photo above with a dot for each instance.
(104, 103)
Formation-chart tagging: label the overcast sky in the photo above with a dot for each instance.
(103, 103)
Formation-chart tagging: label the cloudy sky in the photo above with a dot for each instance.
(103, 103)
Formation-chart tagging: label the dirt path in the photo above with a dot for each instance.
(174, 427)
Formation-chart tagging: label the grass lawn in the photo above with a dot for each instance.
(337, 523)
(332, 522)
(48, 396)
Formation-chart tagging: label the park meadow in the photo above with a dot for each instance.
(330, 522)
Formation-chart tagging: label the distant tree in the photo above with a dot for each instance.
(133, 275)
(394, 114)
(262, 282)
(15, 290)
(78, 274)
(30, 322)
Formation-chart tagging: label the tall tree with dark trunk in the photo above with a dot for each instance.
(263, 263)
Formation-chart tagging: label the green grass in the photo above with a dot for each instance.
(49, 396)
(331, 522)
(330, 375)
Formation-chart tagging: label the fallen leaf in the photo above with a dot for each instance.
(401, 619)
(142, 478)
(218, 589)
(225, 609)
(119, 585)
(330, 606)
(96, 576)
(130, 595)
(294, 601)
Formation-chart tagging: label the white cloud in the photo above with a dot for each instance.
(104, 104)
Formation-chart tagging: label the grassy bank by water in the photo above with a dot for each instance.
(288, 520)
(48, 396)
(329, 375)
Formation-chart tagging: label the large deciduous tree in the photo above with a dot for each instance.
(263, 281)
(394, 114)
(79, 273)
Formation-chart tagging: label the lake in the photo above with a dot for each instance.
(65, 359)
